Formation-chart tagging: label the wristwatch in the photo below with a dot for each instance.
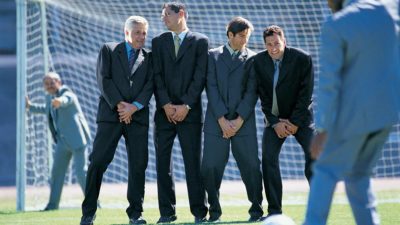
(188, 107)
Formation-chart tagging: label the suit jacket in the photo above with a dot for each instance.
(117, 83)
(180, 79)
(231, 90)
(67, 122)
(359, 79)
(293, 90)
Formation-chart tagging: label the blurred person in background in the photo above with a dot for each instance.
(70, 132)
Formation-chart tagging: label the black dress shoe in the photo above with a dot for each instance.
(167, 219)
(139, 220)
(200, 220)
(87, 220)
(214, 219)
(255, 218)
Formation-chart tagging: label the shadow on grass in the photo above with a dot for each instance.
(230, 222)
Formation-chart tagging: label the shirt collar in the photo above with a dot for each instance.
(347, 2)
(128, 48)
(231, 50)
(181, 35)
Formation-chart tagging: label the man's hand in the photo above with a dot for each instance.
(281, 130)
(27, 102)
(125, 111)
(317, 144)
(181, 112)
(169, 112)
(56, 103)
(237, 123)
(228, 128)
(290, 126)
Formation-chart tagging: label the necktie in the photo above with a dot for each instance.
(177, 43)
(275, 110)
(234, 55)
(132, 58)
(53, 114)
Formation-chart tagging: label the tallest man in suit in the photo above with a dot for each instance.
(285, 84)
(125, 79)
(180, 65)
(358, 102)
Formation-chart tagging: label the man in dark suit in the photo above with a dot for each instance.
(285, 80)
(124, 76)
(230, 119)
(70, 132)
(180, 64)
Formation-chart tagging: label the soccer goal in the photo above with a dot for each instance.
(65, 37)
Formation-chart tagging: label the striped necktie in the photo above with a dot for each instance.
(132, 58)
(177, 43)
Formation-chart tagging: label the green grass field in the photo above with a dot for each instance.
(389, 209)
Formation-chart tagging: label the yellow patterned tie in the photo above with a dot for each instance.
(177, 43)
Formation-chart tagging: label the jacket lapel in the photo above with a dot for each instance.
(169, 43)
(285, 66)
(186, 43)
(138, 61)
(226, 58)
(269, 67)
(123, 57)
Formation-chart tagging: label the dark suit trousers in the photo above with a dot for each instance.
(215, 158)
(271, 148)
(104, 146)
(189, 135)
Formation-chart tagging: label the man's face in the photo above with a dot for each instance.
(239, 41)
(275, 46)
(171, 19)
(137, 36)
(51, 85)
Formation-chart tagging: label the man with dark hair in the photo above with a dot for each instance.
(180, 66)
(358, 103)
(125, 79)
(230, 119)
(285, 84)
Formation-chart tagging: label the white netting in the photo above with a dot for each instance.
(75, 30)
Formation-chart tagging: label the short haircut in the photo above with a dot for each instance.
(176, 7)
(133, 20)
(237, 25)
(273, 29)
(52, 75)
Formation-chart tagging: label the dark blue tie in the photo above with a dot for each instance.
(132, 58)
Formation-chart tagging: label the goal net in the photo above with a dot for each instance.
(65, 37)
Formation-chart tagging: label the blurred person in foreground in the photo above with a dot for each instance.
(358, 102)
(70, 132)
(125, 80)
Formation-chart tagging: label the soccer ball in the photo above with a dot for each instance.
(279, 219)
